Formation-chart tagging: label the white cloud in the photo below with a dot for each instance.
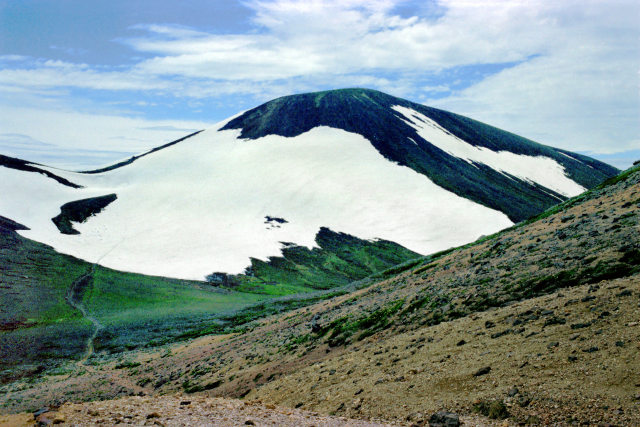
(96, 138)
(55, 74)
(575, 84)
(581, 93)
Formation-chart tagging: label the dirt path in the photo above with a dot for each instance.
(74, 298)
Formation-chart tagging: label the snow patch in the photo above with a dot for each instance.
(200, 206)
(539, 169)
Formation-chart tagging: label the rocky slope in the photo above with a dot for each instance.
(537, 324)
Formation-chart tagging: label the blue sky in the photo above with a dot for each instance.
(84, 83)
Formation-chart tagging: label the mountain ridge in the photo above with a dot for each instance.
(354, 161)
(339, 108)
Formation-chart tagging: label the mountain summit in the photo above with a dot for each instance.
(357, 162)
(492, 167)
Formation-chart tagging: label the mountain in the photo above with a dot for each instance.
(258, 190)
(500, 331)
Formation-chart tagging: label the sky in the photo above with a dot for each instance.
(85, 83)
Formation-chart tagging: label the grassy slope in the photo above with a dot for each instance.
(338, 260)
(141, 311)
(38, 326)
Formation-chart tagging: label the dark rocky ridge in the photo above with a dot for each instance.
(23, 165)
(79, 211)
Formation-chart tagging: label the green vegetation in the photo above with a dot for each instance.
(425, 268)
(343, 328)
(627, 266)
(39, 327)
(127, 365)
(140, 311)
(338, 260)
(195, 388)
(398, 269)
(619, 178)
(496, 409)
(584, 196)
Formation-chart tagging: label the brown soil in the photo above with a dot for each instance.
(413, 374)
(176, 410)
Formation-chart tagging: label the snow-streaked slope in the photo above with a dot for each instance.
(539, 169)
(200, 206)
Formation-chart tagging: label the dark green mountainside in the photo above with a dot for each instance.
(369, 113)
(338, 260)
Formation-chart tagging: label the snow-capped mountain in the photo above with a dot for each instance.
(355, 161)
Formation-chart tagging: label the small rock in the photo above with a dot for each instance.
(524, 400)
(489, 324)
(591, 349)
(553, 344)
(45, 419)
(482, 371)
(41, 411)
(567, 218)
(572, 358)
(249, 423)
(444, 419)
(554, 320)
(580, 325)
(501, 333)
(153, 415)
(185, 402)
(625, 293)
(461, 342)
(533, 420)
(357, 403)
(513, 391)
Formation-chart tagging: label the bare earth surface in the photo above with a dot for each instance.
(184, 411)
